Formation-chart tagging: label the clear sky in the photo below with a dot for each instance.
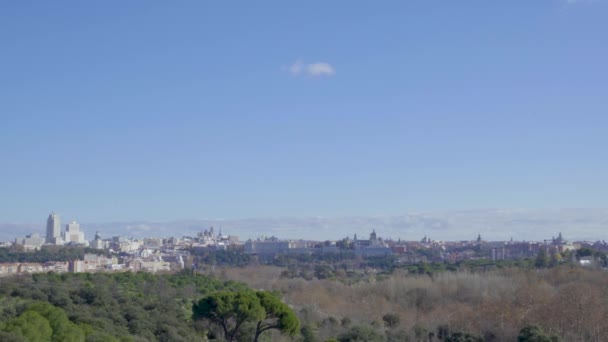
(129, 110)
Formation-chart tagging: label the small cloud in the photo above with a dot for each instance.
(296, 68)
(579, 2)
(320, 69)
(317, 69)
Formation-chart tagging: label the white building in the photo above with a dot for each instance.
(98, 243)
(53, 229)
(31, 242)
(73, 233)
(268, 246)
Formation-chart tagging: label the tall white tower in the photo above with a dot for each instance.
(53, 228)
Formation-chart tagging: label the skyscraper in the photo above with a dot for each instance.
(53, 228)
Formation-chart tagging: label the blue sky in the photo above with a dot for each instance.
(155, 110)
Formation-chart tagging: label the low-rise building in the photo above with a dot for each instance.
(268, 246)
(31, 242)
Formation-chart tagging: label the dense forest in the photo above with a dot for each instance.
(104, 307)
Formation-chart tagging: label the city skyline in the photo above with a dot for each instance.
(494, 225)
(281, 111)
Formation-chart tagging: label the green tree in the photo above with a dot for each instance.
(32, 326)
(391, 320)
(308, 334)
(555, 259)
(462, 337)
(397, 335)
(584, 252)
(533, 333)
(443, 331)
(345, 321)
(230, 310)
(419, 332)
(542, 260)
(278, 316)
(12, 337)
(361, 334)
(63, 329)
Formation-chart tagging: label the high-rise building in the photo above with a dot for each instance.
(73, 233)
(53, 229)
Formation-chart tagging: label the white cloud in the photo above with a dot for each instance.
(296, 68)
(577, 2)
(320, 69)
(317, 69)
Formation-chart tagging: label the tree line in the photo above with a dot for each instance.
(105, 306)
(45, 254)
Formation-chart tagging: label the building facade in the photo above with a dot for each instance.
(73, 233)
(53, 229)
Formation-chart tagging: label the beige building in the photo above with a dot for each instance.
(73, 234)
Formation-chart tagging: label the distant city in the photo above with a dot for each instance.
(154, 254)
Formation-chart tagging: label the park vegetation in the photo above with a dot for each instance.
(105, 306)
(16, 253)
(561, 303)
(236, 297)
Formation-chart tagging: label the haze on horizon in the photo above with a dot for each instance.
(154, 111)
